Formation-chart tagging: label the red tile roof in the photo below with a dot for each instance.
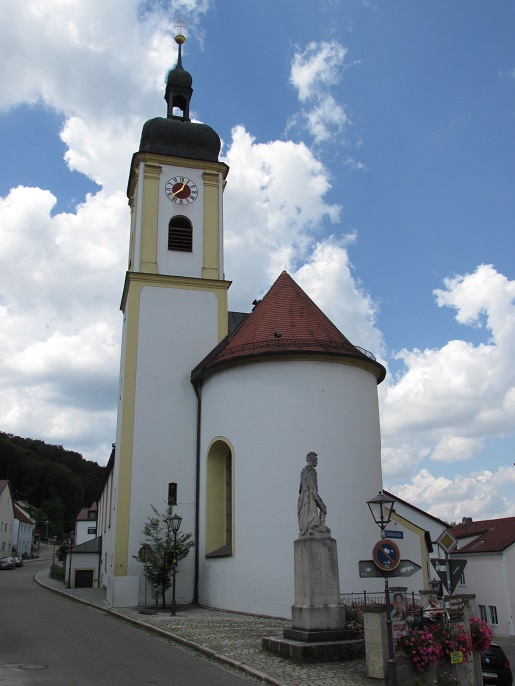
(19, 514)
(83, 515)
(287, 321)
(489, 535)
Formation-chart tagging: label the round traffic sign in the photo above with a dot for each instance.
(386, 555)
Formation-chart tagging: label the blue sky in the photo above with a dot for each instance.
(371, 147)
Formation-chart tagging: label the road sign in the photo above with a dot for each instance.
(447, 541)
(369, 570)
(406, 568)
(386, 555)
(456, 568)
(145, 552)
(394, 533)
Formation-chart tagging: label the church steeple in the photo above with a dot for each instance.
(178, 87)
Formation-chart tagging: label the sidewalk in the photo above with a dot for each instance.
(232, 638)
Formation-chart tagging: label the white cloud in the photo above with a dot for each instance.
(316, 68)
(313, 72)
(448, 401)
(480, 495)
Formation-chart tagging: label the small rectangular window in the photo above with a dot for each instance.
(482, 613)
(493, 615)
(92, 530)
(172, 494)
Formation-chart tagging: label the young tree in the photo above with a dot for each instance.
(159, 534)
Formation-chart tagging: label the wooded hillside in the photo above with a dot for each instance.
(56, 481)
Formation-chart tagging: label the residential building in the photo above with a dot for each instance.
(23, 531)
(6, 518)
(86, 524)
(488, 546)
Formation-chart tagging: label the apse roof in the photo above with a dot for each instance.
(286, 321)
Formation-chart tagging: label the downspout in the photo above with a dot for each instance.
(197, 386)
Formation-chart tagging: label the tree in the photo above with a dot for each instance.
(158, 532)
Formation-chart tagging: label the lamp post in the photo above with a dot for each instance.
(72, 538)
(176, 525)
(381, 508)
(47, 523)
(54, 539)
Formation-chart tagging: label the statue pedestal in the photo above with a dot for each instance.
(318, 618)
(317, 587)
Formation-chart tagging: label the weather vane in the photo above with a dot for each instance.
(180, 24)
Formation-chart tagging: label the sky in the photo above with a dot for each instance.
(371, 151)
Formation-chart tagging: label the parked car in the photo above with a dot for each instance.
(7, 563)
(18, 559)
(496, 667)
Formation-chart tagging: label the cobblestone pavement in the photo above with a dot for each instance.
(234, 639)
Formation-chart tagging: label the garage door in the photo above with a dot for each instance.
(84, 578)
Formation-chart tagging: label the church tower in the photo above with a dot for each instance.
(174, 308)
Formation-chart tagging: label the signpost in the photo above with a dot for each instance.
(369, 570)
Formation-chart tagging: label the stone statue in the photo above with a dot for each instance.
(311, 509)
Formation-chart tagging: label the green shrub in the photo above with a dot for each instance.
(57, 572)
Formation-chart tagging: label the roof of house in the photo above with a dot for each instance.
(21, 515)
(489, 535)
(285, 322)
(3, 484)
(83, 514)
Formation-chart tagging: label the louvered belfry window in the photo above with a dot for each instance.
(180, 234)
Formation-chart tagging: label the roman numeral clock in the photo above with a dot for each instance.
(181, 190)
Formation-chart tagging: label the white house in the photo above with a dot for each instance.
(488, 546)
(218, 410)
(23, 531)
(86, 524)
(6, 518)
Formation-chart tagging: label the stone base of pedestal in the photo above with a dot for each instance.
(318, 636)
(316, 651)
(317, 586)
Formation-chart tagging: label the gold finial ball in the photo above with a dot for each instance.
(180, 39)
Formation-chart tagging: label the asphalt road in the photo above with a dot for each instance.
(49, 640)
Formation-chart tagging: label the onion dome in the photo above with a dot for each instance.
(176, 134)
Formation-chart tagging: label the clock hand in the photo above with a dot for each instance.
(180, 189)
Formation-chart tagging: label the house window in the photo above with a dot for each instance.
(462, 581)
(482, 613)
(92, 530)
(219, 500)
(172, 494)
(493, 615)
(92, 514)
(180, 234)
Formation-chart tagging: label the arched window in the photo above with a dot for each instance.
(180, 234)
(219, 500)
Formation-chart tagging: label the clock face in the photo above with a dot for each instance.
(181, 190)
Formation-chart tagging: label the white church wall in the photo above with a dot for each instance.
(274, 413)
(177, 328)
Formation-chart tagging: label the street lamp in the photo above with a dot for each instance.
(381, 508)
(72, 538)
(176, 525)
(53, 553)
(47, 523)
